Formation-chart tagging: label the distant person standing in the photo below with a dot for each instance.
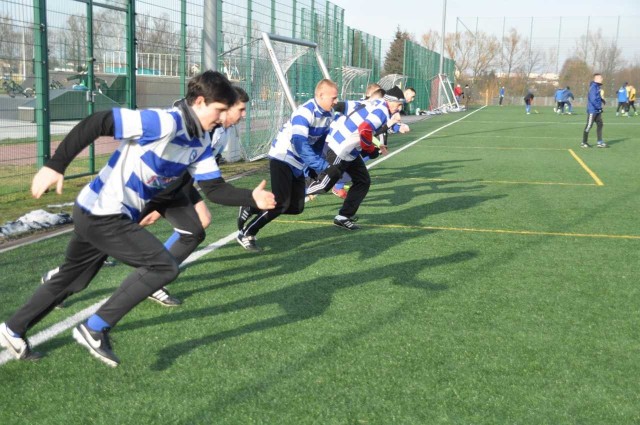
(558, 97)
(467, 96)
(595, 102)
(501, 95)
(567, 98)
(632, 100)
(623, 101)
(528, 100)
(457, 92)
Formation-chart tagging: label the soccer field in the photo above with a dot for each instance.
(494, 281)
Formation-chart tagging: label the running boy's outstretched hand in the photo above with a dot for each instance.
(265, 200)
(44, 179)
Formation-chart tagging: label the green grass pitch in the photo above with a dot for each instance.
(494, 281)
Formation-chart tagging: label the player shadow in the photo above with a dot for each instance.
(426, 170)
(312, 243)
(303, 301)
(470, 133)
(405, 192)
(319, 241)
(615, 141)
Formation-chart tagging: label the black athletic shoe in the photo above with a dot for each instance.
(48, 275)
(97, 343)
(346, 223)
(162, 297)
(585, 145)
(16, 345)
(243, 216)
(248, 242)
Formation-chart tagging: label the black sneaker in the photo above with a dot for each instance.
(46, 277)
(243, 216)
(346, 223)
(16, 345)
(248, 242)
(162, 297)
(97, 343)
(585, 145)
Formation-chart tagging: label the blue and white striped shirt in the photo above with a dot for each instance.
(344, 138)
(301, 140)
(155, 150)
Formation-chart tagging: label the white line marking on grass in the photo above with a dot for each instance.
(57, 329)
(384, 158)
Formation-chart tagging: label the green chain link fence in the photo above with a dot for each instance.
(65, 59)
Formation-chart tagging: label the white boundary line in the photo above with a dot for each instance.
(58, 328)
(384, 158)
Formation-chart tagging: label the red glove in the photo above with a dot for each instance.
(366, 136)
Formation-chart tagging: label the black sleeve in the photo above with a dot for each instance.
(223, 193)
(382, 129)
(184, 183)
(81, 136)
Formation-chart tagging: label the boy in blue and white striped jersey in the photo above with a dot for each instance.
(351, 134)
(156, 147)
(297, 147)
(181, 204)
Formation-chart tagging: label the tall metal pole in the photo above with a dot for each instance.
(131, 55)
(91, 85)
(441, 68)
(43, 133)
(182, 67)
(210, 36)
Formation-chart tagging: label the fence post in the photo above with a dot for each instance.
(41, 113)
(131, 54)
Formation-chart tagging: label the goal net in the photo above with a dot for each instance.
(391, 80)
(442, 99)
(354, 82)
(278, 73)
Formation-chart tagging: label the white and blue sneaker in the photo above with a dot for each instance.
(97, 342)
(17, 345)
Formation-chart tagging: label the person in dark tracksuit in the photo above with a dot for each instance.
(296, 149)
(156, 147)
(528, 100)
(595, 102)
(180, 203)
(351, 134)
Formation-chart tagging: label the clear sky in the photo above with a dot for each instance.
(382, 17)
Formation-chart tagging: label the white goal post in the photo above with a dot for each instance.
(276, 72)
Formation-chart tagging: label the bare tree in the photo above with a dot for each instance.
(485, 54)
(513, 50)
(576, 73)
(460, 47)
(431, 40)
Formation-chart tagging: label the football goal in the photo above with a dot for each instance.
(278, 73)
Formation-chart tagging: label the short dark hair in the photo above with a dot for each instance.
(379, 92)
(596, 74)
(213, 86)
(412, 89)
(242, 95)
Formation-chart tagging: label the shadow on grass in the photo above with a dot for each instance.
(300, 301)
(615, 141)
(301, 250)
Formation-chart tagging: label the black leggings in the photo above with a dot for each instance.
(95, 238)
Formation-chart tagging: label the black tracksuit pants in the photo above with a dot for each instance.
(95, 238)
